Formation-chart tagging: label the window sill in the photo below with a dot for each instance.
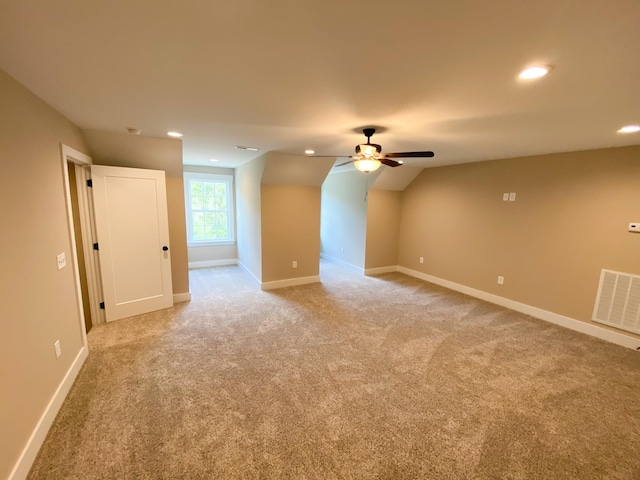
(211, 244)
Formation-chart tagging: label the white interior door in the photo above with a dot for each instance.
(133, 237)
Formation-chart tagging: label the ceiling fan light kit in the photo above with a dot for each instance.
(367, 165)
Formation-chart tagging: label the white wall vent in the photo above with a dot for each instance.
(618, 301)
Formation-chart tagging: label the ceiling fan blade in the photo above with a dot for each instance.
(409, 155)
(328, 156)
(390, 163)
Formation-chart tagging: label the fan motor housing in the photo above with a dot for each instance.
(378, 147)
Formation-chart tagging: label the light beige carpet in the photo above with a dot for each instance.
(354, 378)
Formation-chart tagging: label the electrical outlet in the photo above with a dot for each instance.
(512, 197)
(294, 264)
(634, 227)
(421, 259)
(505, 197)
(62, 261)
(500, 280)
(57, 348)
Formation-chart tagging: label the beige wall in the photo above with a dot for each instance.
(207, 169)
(177, 234)
(138, 151)
(213, 253)
(38, 303)
(383, 228)
(568, 222)
(290, 231)
(344, 217)
(278, 215)
(248, 215)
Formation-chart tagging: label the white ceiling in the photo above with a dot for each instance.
(285, 75)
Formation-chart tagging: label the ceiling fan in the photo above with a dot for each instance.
(369, 155)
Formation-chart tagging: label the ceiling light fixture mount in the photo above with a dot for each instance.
(367, 154)
(134, 131)
(534, 72)
(242, 147)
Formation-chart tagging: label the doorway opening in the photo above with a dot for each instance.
(76, 167)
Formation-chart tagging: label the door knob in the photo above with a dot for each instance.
(165, 248)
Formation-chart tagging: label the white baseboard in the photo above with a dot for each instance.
(342, 263)
(214, 263)
(24, 463)
(567, 322)
(290, 282)
(381, 270)
(181, 297)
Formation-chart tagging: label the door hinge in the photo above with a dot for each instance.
(101, 305)
(89, 183)
(95, 246)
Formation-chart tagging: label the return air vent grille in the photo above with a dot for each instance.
(618, 301)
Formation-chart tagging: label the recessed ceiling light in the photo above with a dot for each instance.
(535, 72)
(400, 162)
(241, 147)
(309, 151)
(630, 129)
(174, 134)
(213, 160)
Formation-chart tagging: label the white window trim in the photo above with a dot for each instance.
(230, 201)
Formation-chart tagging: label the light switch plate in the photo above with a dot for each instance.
(505, 197)
(62, 261)
(512, 197)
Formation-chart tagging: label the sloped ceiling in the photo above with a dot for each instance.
(124, 150)
(285, 75)
(284, 169)
(397, 178)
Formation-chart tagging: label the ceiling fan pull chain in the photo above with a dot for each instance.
(366, 188)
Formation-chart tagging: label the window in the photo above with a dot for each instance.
(209, 202)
